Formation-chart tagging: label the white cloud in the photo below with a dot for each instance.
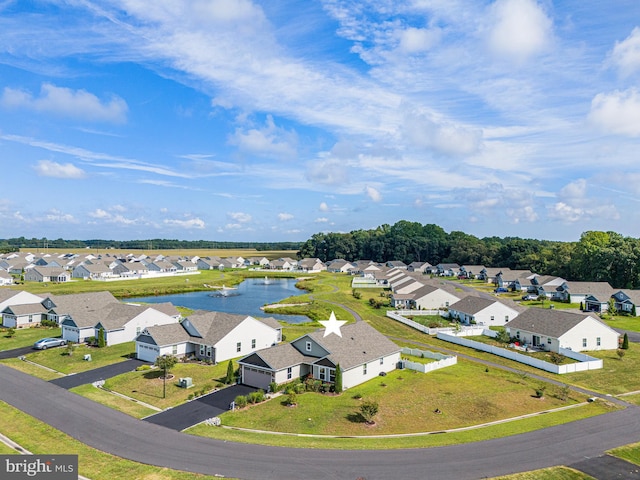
(626, 54)
(442, 137)
(416, 40)
(47, 168)
(60, 217)
(519, 29)
(268, 141)
(373, 194)
(191, 223)
(240, 217)
(321, 220)
(283, 217)
(67, 102)
(575, 190)
(99, 213)
(524, 214)
(323, 207)
(617, 112)
(327, 172)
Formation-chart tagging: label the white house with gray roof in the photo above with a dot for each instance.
(123, 322)
(627, 301)
(79, 313)
(554, 329)
(209, 336)
(482, 311)
(361, 352)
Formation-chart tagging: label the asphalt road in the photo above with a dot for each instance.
(119, 434)
(16, 352)
(191, 413)
(102, 373)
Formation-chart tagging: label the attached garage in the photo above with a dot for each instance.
(147, 353)
(256, 377)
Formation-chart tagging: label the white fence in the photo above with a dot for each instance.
(442, 360)
(585, 362)
(462, 329)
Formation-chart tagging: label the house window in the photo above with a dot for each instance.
(138, 330)
(518, 335)
(174, 350)
(364, 369)
(253, 343)
(584, 342)
(446, 304)
(239, 347)
(549, 341)
(208, 351)
(492, 318)
(308, 346)
(381, 360)
(323, 374)
(30, 318)
(506, 318)
(289, 373)
(202, 350)
(598, 341)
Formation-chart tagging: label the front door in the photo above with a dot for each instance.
(536, 341)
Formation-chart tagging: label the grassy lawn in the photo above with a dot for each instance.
(554, 473)
(617, 376)
(147, 386)
(58, 359)
(114, 401)
(31, 369)
(465, 393)
(25, 337)
(420, 441)
(431, 321)
(624, 322)
(630, 453)
(40, 438)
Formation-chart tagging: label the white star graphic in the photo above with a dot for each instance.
(332, 325)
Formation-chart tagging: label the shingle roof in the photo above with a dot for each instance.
(26, 309)
(116, 316)
(472, 304)
(600, 290)
(168, 334)
(552, 323)
(278, 357)
(360, 343)
(86, 309)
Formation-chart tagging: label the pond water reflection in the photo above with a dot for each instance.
(247, 298)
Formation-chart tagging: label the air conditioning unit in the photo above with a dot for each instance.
(186, 382)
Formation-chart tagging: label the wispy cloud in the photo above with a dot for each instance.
(47, 168)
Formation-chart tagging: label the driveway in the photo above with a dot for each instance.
(196, 411)
(101, 373)
(16, 352)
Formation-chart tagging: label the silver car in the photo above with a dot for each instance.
(45, 343)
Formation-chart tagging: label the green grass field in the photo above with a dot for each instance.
(59, 360)
(25, 337)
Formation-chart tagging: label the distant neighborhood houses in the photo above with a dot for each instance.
(59, 268)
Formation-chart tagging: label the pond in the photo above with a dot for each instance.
(246, 299)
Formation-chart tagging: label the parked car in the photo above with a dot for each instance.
(530, 297)
(45, 343)
(501, 290)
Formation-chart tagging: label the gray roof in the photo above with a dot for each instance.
(167, 308)
(26, 309)
(360, 343)
(548, 322)
(117, 316)
(279, 357)
(472, 304)
(86, 309)
(600, 290)
(169, 334)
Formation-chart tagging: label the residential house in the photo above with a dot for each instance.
(79, 313)
(130, 269)
(361, 352)
(5, 278)
(552, 329)
(430, 297)
(311, 265)
(482, 311)
(123, 322)
(209, 263)
(627, 301)
(47, 274)
(471, 271)
(282, 264)
(24, 315)
(545, 285)
(513, 279)
(577, 292)
(396, 264)
(185, 266)
(210, 336)
(447, 269)
(339, 266)
(419, 267)
(93, 271)
(10, 297)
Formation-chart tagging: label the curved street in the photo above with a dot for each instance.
(119, 434)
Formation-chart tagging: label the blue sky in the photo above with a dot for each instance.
(239, 120)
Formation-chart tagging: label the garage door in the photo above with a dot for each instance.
(147, 353)
(255, 377)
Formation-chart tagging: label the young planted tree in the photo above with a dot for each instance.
(620, 353)
(230, 377)
(166, 363)
(625, 342)
(102, 338)
(338, 381)
(369, 410)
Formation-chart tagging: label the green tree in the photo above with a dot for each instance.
(338, 381)
(230, 377)
(620, 353)
(11, 332)
(166, 362)
(102, 338)
(369, 410)
(625, 342)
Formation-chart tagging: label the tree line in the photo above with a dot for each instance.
(597, 256)
(15, 244)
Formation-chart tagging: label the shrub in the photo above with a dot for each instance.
(625, 342)
(273, 387)
(48, 323)
(102, 338)
(556, 358)
(142, 368)
(357, 295)
(91, 340)
(299, 388)
(620, 353)
(11, 332)
(256, 397)
(369, 410)
(240, 401)
(540, 391)
(503, 337)
(291, 399)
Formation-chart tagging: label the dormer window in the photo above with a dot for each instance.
(308, 346)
